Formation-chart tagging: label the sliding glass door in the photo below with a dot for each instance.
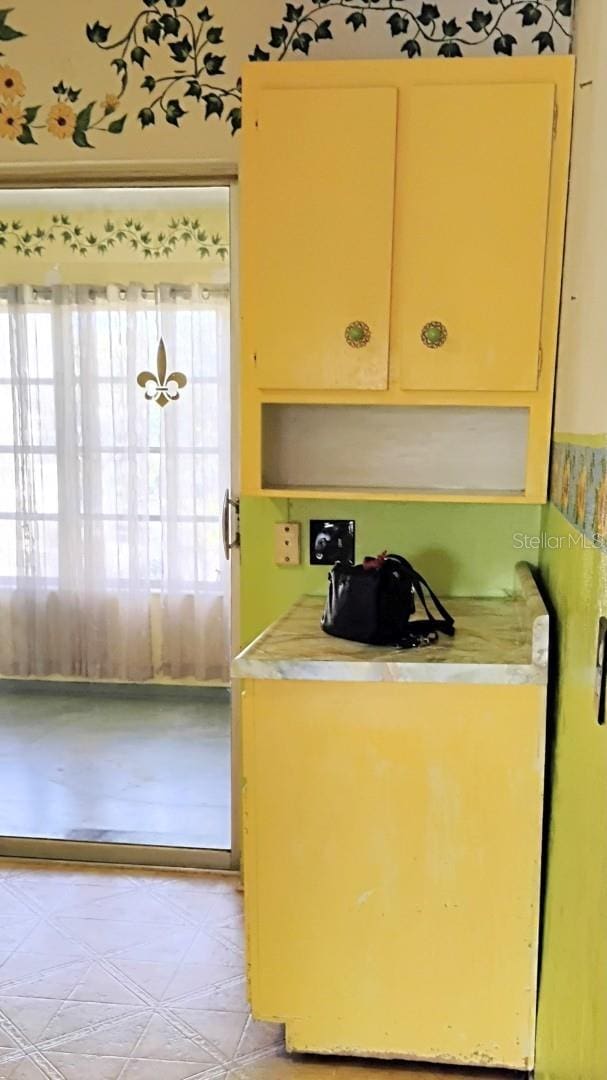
(115, 596)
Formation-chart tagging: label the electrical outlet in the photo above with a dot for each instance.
(286, 543)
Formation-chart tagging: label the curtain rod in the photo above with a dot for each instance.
(45, 292)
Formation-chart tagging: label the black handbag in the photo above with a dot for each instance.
(373, 603)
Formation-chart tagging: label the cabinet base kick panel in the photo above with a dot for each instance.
(310, 1036)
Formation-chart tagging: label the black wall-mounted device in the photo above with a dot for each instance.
(331, 542)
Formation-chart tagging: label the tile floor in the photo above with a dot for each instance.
(153, 769)
(112, 974)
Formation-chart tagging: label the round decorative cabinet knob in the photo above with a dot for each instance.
(434, 334)
(358, 334)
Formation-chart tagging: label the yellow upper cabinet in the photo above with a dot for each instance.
(402, 245)
(474, 163)
(322, 169)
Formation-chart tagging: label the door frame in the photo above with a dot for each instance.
(235, 638)
(157, 176)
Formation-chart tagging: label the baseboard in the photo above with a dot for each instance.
(122, 690)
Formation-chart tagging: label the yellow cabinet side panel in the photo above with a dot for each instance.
(392, 858)
(321, 187)
(471, 217)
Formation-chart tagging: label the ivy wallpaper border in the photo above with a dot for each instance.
(578, 488)
(184, 45)
(181, 235)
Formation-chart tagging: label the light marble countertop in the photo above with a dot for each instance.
(497, 640)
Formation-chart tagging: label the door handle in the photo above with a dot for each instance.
(228, 543)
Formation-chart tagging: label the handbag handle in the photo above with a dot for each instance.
(447, 622)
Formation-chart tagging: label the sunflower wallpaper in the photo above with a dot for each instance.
(160, 79)
(578, 487)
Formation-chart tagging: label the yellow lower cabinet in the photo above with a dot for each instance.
(392, 846)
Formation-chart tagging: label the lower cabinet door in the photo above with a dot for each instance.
(392, 865)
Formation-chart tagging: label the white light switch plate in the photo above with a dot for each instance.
(287, 543)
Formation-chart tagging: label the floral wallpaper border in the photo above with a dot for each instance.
(578, 488)
(180, 236)
(174, 52)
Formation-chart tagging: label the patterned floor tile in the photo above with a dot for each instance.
(206, 949)
(105, 936)
(58, 983)
(45, 940)
(62, 896)
(115, 1039)
(188, 900)
(7, 1041)
(190, 978)
(31, 1016)
(148, 1069)
(163, 1039)
(225, 907)
(14, 929)
(231, 935)
(98, 984)
(223, 1031)
(139, 975)
(28, 1069)
(145, 976)
(22, 966)
(11, 904)
(287, 1067)
(83, 1017)
(85, 1067)
(228, 997)
(160, 944)
(120, 906)
(257, 1036)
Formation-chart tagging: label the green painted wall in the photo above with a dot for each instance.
(572, 1030)
(461, 549)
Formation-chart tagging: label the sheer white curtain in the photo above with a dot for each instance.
(110, 554)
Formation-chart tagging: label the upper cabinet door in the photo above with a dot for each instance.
(320, 173)
(471, 219)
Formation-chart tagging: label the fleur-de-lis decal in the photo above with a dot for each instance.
(161, 387)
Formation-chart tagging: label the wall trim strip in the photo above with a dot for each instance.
(580, 440)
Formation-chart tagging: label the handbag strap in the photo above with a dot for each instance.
(423, 626)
